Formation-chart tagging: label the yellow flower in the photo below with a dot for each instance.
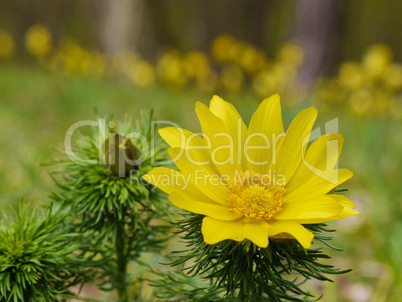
(141, 73)
(222, 48)
(170, 69)
(6, 45)
(196, 65)
(291, 53)
(254, 182)
(38, 40)
(251, 59)
(377, 59)
(352, 75)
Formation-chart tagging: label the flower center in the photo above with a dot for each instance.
(255, 196)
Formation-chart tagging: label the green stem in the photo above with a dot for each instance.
(122, 261)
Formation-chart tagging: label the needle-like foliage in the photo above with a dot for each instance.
(37, 260)
(118, 215)
(246, 272)
(179, 287)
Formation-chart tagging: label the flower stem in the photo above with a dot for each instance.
(122, 261)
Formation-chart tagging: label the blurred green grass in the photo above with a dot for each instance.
(37, 108)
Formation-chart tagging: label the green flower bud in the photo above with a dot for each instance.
(122, 157)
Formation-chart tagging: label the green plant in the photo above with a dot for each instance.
(118, 215)
(37, 257)
(243, 271)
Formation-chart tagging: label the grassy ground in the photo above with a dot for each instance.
(37, 108)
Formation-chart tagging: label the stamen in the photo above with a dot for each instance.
(255, 196)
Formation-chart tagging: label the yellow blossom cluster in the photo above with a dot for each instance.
(138, 71)
(71, 59)
(369, 88)
(281, 74)
(231, 66)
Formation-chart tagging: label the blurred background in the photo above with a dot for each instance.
(61, 60)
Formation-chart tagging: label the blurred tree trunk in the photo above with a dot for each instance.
(199, 31)
(258, 12)
(316, 29)
(121, 25)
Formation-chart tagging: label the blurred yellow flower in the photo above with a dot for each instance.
(196, 64)
(265, 83)
(170, 69)
(38, 41)
(352, 75)
(256, 182)
(368, 89)
(361, 102)
(141, 73)
(71, 59)
(278, 77)
(222, 47)
(377, 59)
(74, 60)
(291, 53)
(251, 59)
(6, 44)
(393, 77)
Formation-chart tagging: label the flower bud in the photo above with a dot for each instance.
(121, 155)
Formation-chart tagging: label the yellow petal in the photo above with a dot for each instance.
(215, 231)
(346, 212)
(322, 207)
(203, 176)
(265, 130)
(234, 125)
(294, 143)
(185, 195)
(343, 200)
(184, 139)
(325, 151)
(222, 143)
(317, 186)
(294, 229)
(168, 180)
(196, 202)
(319, 160)
(345, 204)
